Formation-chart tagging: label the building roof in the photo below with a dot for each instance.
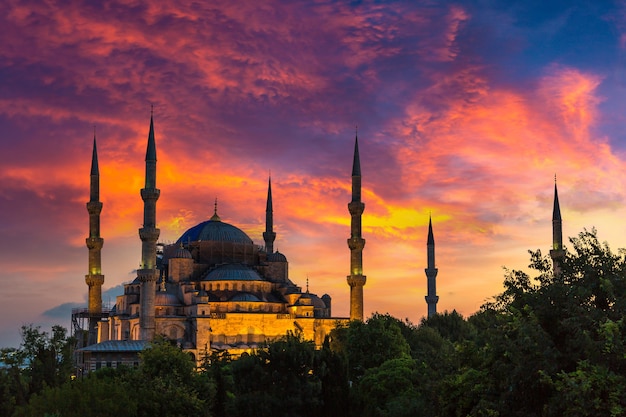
(117, 346)
(276, 257)
(233, 272)
(245, 296)
(214, 230)
(182, 253)
(166, 299)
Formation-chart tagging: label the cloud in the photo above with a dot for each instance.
(464, 111)
(62, 311)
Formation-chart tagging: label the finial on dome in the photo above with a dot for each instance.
(215, 217)
(307, 284)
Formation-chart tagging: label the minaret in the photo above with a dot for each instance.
(557, 253)
(431, 272)
(149, 234)
(356, 279)
(269, 235)
(94, 279)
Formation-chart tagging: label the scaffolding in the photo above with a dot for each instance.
(80, 329)
(80, 323)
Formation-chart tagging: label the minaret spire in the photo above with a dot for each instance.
(215, 217)
(557, 253)
(269, 235)
(94, 278)
(431, 272)
(149, 234)
(356, 279)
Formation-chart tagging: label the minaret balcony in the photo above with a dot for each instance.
(94, 242)
(150, 194)
(94, 279)
(356, 208)
(150, 234)
(356, 243)
(432, 299)
(147, 275)
(94, 207)
(356, 280)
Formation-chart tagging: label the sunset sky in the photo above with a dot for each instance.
(465, 110)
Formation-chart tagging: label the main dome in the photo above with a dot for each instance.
(215, 230)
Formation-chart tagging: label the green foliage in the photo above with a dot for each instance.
(283, 379)
(165, 384)
(370, 344)
(392, 389)
(100, 394)
(42, 360)
(548, 345)
(590, 390)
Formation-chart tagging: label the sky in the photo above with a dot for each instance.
(465, 110)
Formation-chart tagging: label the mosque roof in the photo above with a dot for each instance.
(166, 299)
(233, 272)
(317, 301)
(245, 296)
(182, 253)
(215, 230)
(117, 346)
(276, 257)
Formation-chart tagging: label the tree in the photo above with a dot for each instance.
(550, 336)
(370, 344)
(393, 389)
(283, 379)
(168, 385)
(165, 384)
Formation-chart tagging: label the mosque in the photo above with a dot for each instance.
(214, 289)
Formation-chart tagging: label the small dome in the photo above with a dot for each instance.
(305, 300)
(215, 230)
(233, 272)
(276, 257)
(166, 299)
(245, 296)
(181, 253)
(318, 302)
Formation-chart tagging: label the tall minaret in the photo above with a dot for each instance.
(431, 272)
(269, 235)
(356, 279)
(94, 279)
(149, 234)
(557, 253)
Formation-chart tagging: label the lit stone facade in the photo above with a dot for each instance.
(221, 293)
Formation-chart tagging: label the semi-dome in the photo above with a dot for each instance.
(276, 257)
(318, 302)
(166, 299)
(233, 272)
(181, 253)
(215, 230)
(245, 296)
